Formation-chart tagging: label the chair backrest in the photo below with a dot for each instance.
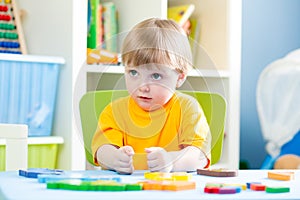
(15, 136)
(92, 103)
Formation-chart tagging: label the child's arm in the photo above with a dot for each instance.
(188, 159)
(114, 158)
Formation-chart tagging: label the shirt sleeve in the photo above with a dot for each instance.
(107, 132)
(194, 128)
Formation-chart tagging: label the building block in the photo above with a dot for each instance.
(229, 190)
(34, 172)
(152, 185)
(87, 185)
(277, 189)
(212, 190)
(217, 172)
(214, 185)
(162, 176)
(283, 176)
(249, 184)
(242, 186)
(179, 185)
(258, 187)
(168, 185)
(44, 178)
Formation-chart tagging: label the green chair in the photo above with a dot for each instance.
(92, 103)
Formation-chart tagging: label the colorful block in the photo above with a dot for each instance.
(229, 190)
(258, 187)
(217, 172)
(34, 172)
(277, 189)
(242, 186)
(44, 178)
(168, 185)
(249, 184)
(212, 190)
(162, 176)
(283, 176)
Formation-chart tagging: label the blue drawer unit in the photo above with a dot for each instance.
(28, 87)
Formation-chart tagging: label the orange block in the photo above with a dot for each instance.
(283, 176)
(168, 185)
(257, 187)
(179, 185)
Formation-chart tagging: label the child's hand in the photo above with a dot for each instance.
(159, 159)
(123, 163)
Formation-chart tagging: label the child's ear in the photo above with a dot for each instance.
(180, 80)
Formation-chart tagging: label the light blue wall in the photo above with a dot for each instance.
(270, 29)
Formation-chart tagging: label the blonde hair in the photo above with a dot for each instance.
(158, 41)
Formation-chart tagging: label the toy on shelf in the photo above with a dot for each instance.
(11, 32)
(101, 56)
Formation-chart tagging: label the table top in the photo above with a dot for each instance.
(13, 186)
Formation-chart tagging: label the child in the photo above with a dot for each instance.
(155, 127)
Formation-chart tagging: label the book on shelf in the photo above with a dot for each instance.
(181, 13)
(102, 33)
(194, 35)
(110, 24)
(93, 22)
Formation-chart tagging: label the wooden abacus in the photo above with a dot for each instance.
(11, 32)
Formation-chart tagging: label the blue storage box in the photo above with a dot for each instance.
(28, 86)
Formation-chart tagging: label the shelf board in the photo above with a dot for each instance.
(117, 69)
(41, 140)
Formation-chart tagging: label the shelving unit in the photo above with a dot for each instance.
(220, 38)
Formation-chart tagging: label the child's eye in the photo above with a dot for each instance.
(133, 72)
(156, 76)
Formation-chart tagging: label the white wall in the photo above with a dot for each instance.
(47, 26)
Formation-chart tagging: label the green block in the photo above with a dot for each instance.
(277, 189)
(133, 187)
(113, 187)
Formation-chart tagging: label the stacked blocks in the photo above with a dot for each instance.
(175, 181)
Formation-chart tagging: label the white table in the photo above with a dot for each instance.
(13, 186)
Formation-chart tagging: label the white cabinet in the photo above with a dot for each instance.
(220, 37)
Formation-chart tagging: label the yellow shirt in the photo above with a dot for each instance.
(180, 123)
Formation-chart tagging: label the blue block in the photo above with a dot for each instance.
(34, 172)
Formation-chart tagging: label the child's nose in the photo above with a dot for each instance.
(144, 88)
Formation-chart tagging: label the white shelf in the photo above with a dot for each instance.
(118, 69)
(41, 140)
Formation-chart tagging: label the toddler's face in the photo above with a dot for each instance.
(151, 86)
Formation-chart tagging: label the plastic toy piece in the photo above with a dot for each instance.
(87, 185)
(181, 176)
(242, 186)
(249, 184)
(44, 178)
(152, 185)
(277, 189)
(179, 185)
(258, 187)
(229, 190)
(34, 172)
(212, 190)
(161, 176)
(133, 187)
(283, 176)
(214, 185)
(168, 185)
(217, 172)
